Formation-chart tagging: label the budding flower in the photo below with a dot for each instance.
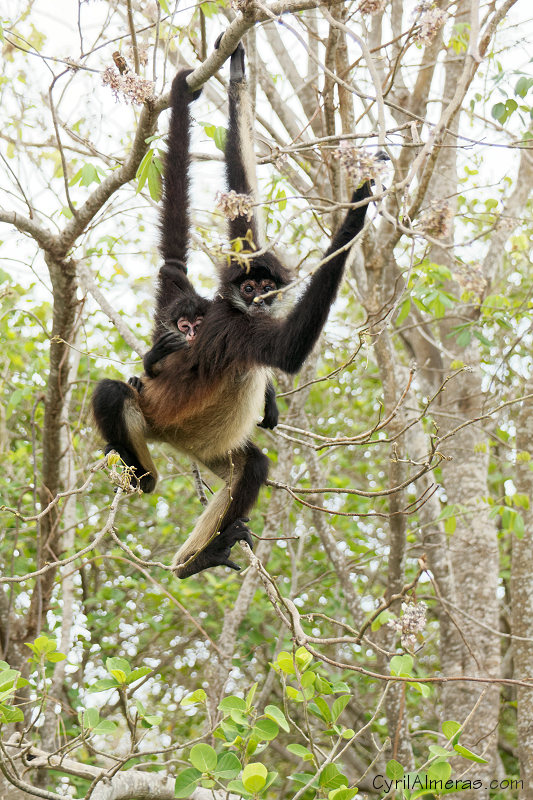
(470, 278)
(233, 205)
(142, 53)
(360, 164)
(410, 624)
(134, 88)
(372, 6)
(242, 5)
(437, 219)
(430, 20)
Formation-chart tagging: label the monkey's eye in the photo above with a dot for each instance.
(248, 288)
(183, 325)
(268, 288)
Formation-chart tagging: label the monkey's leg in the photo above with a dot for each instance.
(225, 514)
(123, 426)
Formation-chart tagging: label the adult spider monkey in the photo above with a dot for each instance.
(207, 394)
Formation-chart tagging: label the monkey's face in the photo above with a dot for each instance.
(189, 328)
(252, 291)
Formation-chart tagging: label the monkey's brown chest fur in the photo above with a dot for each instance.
(207, 421)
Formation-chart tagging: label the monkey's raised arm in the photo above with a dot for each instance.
(287, 343)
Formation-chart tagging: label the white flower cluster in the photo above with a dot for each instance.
(233, 205)
(360, 164)
(134, 88)
(437, 220)
(410, 624)
(372, 6)
(142, 52)
(430, 20)
(242, 5)
(470, 278)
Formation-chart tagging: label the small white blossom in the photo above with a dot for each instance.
(430, 20)
(372, 6)
(360, 164)
(134, 88)
(142, 52)
(410, 624)
(437, 219)
(233, 205)
(470, 278)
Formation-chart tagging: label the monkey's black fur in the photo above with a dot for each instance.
(205, 396)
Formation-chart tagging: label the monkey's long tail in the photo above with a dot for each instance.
(120, 421)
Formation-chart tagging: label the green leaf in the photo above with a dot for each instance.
(105, 726)
(276, 714)
(308, 679)
(265, 730)
(154, 181)
(437, 750)
(119, 675)
(186, 782)
(140, 672)
(523, 86)
(394, 770)
(404, 310)
(8, 679)
(401, 665)
(450, 728)
(250, 697)
(118, 663)
(91, 718)
(8, 714)
(53, 658)
(254, 777)
(285, 662)
(228, 766)
(150, 720)
(300, 751)
(219, 138)
(199, 696)
(143, 169)
(440, 771)
(103, 684)
(339, 705)
(450, 524)
(342, 794)
(324, 708)
(203, 757)
(238, 788)
(332, 778)
(463, 751)
(303, 658)
(230, 703)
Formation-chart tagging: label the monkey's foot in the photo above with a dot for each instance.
(217, 553)
(270, 420)
(145, 479)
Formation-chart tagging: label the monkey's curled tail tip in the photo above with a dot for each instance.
(237, 69)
